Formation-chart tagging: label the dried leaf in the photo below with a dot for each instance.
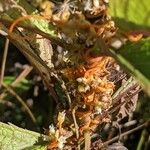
(129, 105)
(45, 51)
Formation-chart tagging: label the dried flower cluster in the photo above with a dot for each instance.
(83, 73)
(85, 76)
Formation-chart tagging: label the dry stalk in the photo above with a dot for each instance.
(12, 92)
(4, 61)
(22, 76)
(126, 133)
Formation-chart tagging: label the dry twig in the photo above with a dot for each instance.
(12, 92)
(126, 133)
(4, 61)
(22, 76)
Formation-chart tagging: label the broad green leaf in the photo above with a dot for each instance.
(15, 138)
(138, 54)
(136, 58)
(131, 14)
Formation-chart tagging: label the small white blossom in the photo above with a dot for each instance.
(61, 116)
(81, 79)
(52, 129)
(98, 110)
(87, 87)
(61, 142)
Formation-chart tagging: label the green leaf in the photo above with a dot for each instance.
(136, 58)
(131, 14)
(138, 54)
(24, 85)
(15, 138)
(33, 21)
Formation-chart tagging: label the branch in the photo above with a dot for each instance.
(126, 133)
(4, 61)
(12, 92)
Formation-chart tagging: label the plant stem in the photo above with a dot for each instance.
(4, 61)
(125, 133)
(142, 140)
(12, 92)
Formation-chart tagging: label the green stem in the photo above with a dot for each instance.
(142, 140)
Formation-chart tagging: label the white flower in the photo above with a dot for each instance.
(98, 110)
(82, 79)
(61, 142)
(61, 117)
(52, 129)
